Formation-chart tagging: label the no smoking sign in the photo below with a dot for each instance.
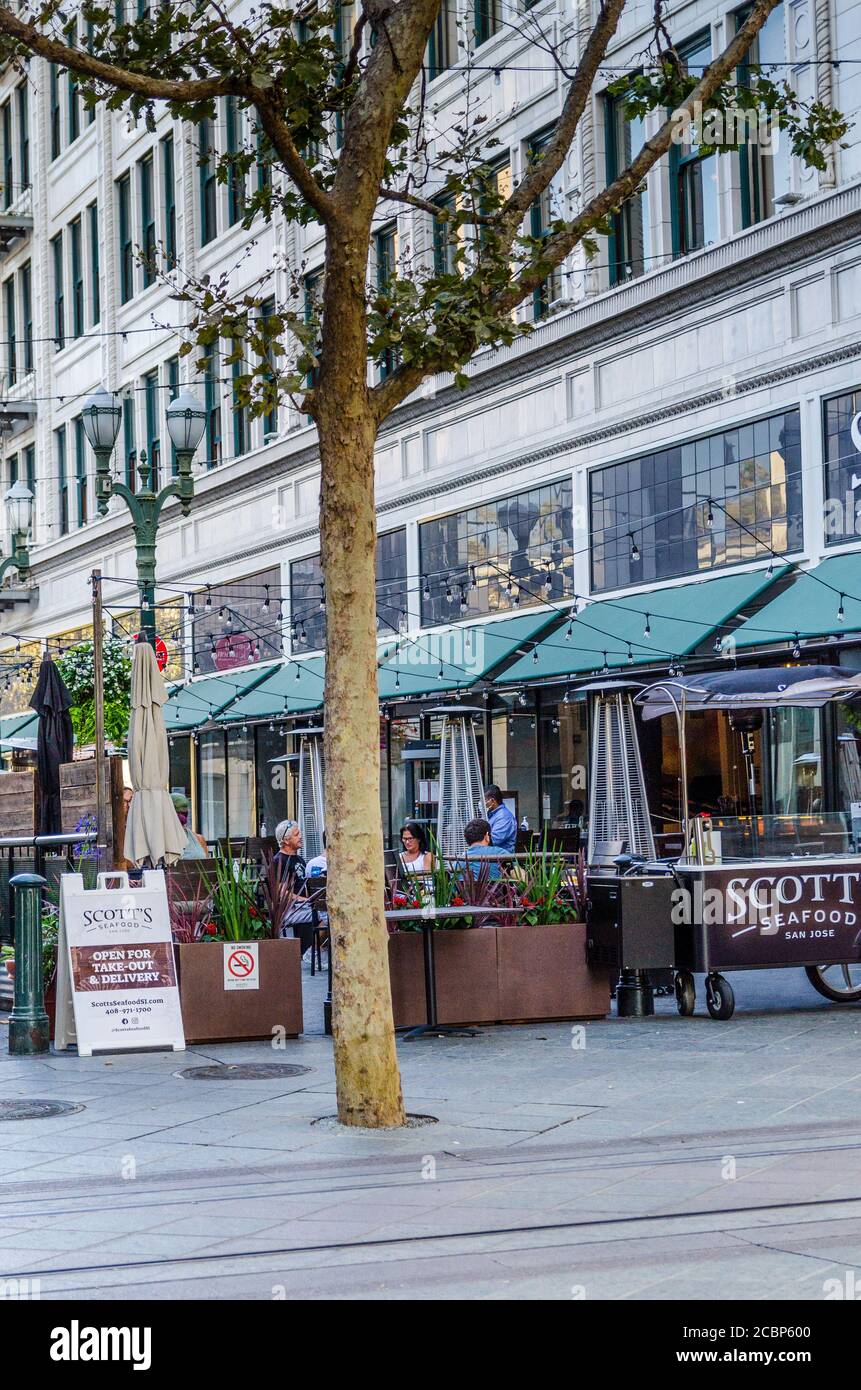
(242, 966)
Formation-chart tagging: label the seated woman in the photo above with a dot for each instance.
(415, 857)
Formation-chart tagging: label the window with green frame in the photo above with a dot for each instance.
(95, 269)
(171, 372)
(447, 240)
(541, 216)
(346, 16)
(212, 402)
(386, 248)
(73, 96)
(488, 19)
(241, 438)
(146, 212)
(693, 177)
(168, 183)
(208, 185)
(62, 481)
(81, 471)
(11, 335)
(630, 240)
(8, 162)
(59, 291)
(764, 167)
(152, 416)
(264, 158)
(23, 109)
(442, 45)
(124, 221)
(30, 470)
(55, 116)
(76, 252)
(26, 274)
(235, 174)
(129, 444)
(270, 417)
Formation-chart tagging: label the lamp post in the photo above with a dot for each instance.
(19, 507)
(186, 420)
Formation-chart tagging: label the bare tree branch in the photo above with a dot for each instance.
(442, 214)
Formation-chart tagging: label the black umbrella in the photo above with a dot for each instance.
(51, 701)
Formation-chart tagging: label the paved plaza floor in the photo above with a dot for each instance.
(629, 1159)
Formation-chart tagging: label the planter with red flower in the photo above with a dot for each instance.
(528, 967)
(238, 979)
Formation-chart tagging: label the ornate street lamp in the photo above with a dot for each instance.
(186, 421)
(19, 508)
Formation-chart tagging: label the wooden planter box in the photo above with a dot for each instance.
(498, 975)
(210, 1013)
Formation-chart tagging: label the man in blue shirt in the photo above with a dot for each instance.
(476, 833)
(503, 826)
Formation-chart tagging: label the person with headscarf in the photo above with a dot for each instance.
(196, 847)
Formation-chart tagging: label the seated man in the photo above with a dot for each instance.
(503, 826)
(478, 846)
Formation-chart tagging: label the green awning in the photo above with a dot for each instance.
(291, 687)
(19, 725)
(643, 628)
(808, 606)
(202, 700)
(455, 658)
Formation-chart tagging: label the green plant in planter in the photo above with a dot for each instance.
(76, 668)
(234, 906)
(550, 889)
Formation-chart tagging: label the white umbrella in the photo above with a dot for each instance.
(153, 829)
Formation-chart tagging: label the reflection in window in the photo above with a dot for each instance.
(649, 517)
(307, 593)
(795, 758)
(630, 239)
(694, 176)
(237, 624)
(842, 423)
(498, 556)
(543, 213)
(442, 48)
(213, 785)
(240, 780)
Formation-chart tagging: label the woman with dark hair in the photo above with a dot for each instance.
(415, 856)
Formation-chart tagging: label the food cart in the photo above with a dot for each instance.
(750, 891)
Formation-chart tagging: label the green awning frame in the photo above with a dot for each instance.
(460, 656)
(200, 701)
(808, 606)
(644, 628)
(291, 687)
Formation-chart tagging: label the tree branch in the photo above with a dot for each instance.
(281, 139)
(442, 214)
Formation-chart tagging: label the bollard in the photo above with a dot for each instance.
(28, 1021)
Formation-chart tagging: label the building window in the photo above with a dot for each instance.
(81, 471)
(442, 48)
(649, 517)
(77, 257)
(62, 480)
(208, 187)
(23, 103)
(542, 214)
(307, 618)
(240, 413)
(11, 336)
(212, 401)
(72, 93)
(27, 314)
(264, 158)
(270, 416)
(30, 478)
(447, 241)
(232, 627)
(630, 242)
(693, 176)
(498, 556)
(169, 191)
(8, 165)
(95, 271)
(235, 174)
(172, 374)
(124, 218)
(59, 296)
(488, 19)
(129, 446)
(842, 426)
(151, 418)
(386, 246)
(764, 168)
(147, 217)
(54, 103)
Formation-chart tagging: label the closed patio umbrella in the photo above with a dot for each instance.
(153, 829)
(51, 701)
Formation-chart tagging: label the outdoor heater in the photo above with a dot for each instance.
(461, 790)
(310, 810)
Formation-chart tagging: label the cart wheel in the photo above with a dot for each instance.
(686, 993)
(720, 1000)
(839, 983)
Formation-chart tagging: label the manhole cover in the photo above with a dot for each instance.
(36, 1109)
(243, 1071)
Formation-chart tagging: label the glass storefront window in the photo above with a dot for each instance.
(842, 424)
(213, 785)
(515, 762)
(564, 763)
(272, 779)
(179, 753)
(240, 782)
(307, 618)
(499, 556)
(795, 755)
(650, 517)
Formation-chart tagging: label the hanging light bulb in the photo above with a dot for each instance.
(796, 647)
(208, 603)
(710, 516)
(144, 605)
(440, 673)
(322, 604)
(841, 612)
(718, 645)
(473, 582)
(548, 586)
(515, 601)
(464, 606)
(647, 630)
(196, 667)
(271, 726)
(522, 699)
(770, 570)
(534, 656)
(426, 590)
(569, 631)
(448, 593)
(575, 607)
(190, 608)
(397, 680)
(630, 655)
(298, 670)
(222, 614)
(606, 669)
(566, 698)
(266, 599)
(635, 551)
(303, 636)
(244, 729)
(532, 722)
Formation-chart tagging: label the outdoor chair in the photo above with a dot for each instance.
(315, 891)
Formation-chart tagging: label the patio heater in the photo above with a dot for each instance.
(619, 820)
(309, 811)
(461, 789)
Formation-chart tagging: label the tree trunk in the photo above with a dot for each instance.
(366, 1067)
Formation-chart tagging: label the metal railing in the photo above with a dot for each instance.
(48, 855)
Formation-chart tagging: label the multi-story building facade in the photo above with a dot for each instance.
(682, 411)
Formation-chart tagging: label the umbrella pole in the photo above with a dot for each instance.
(99, 702)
